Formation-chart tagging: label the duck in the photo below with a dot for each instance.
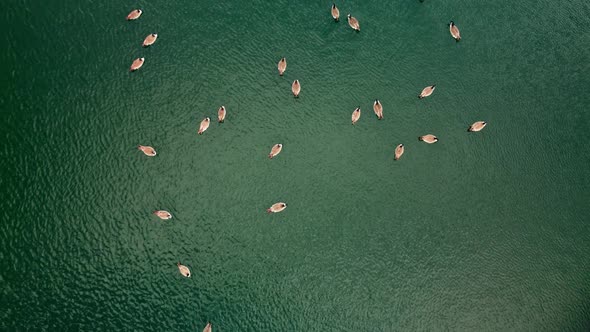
(296, 88)
(427, 91)
(277, 207)
(276, 149)
(163, 214)
(184, 270)
(454, 31)
(137, 63)
(354, 23)
(477, 126)
(282, 66)
(399, 150)
(378, 109)
(356, 115)
(150, 39)
(134, 14)
(207, 328)
(428, 138)
(147, 150)
(204, 125)
(335, 13)
(221, 114)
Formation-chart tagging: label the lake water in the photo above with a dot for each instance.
(485, 231)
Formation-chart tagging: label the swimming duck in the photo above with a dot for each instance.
(277, 207)
(427, 91)
(454, 31)
(147, 150)
(184, 270)
(163, 214)
(137, 63)
(134, 14)
(399, 150)
(276, 149)
(204, 125)
(356, 115)
(378, 109)
(296, 88)
(477, 126)
(335, 13)
(282, 66)
(150, 39)
(428, 138)
(354, 23)
(221, 114)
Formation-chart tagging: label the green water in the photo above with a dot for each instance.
(483, 231)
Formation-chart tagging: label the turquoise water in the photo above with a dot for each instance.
(483, 231)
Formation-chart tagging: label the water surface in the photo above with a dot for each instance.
(481, 231)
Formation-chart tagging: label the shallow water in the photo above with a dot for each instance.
(481, 231)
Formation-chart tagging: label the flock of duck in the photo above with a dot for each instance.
(295, 89)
